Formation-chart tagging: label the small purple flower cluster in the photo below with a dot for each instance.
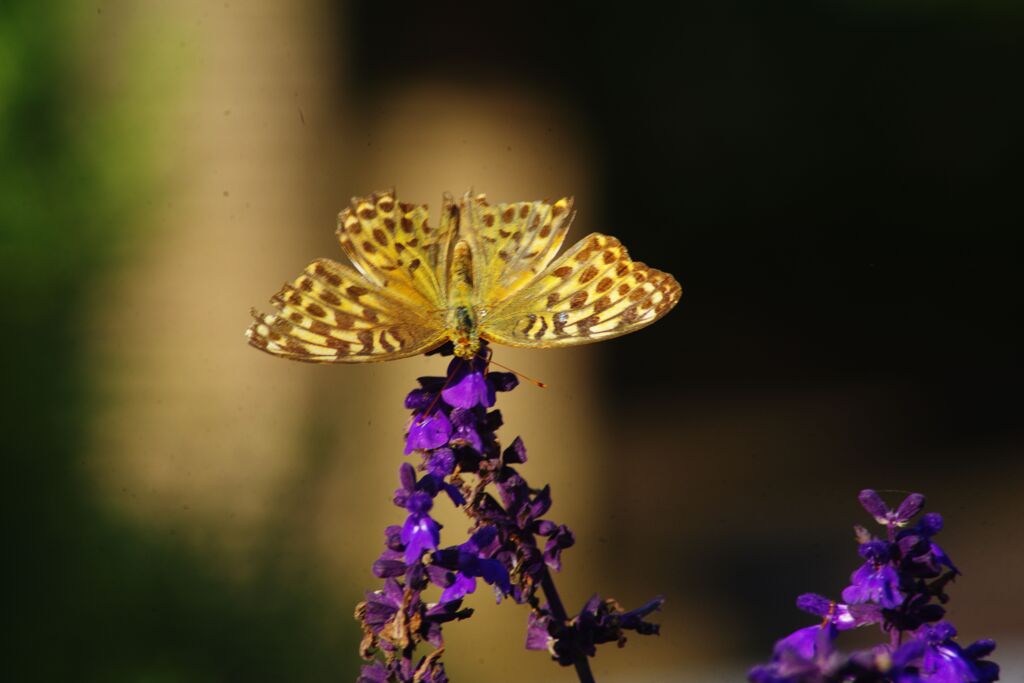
(901, 588)
(453, 430)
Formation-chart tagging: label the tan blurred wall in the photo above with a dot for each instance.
(243, 454)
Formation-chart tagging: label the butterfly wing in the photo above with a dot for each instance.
(592, 292)
(511, 243)
(331, 314)
(394, 247)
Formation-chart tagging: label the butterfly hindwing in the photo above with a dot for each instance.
(394, 246)
(512, 243)
(331, 314)
(592, 292)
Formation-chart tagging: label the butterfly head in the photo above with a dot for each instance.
(464, 333)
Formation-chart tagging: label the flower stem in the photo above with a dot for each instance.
(582, 662)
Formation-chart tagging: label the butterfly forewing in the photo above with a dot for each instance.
(512, 243)
(394, 246)
(331, 314)
(592, 292)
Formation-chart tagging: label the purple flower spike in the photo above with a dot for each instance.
(453, 431)
(900, 587)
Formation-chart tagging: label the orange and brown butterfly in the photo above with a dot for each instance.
(485, 272)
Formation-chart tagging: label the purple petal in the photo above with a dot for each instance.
(873, 503)
(462, 586)
(426, 432)
(468, 387)
(910, 506)
(515, 453)
(537, 636)
(373, 673)
(420, 533)
(419, 503)
(503, 381)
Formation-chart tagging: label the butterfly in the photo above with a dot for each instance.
(486, 272)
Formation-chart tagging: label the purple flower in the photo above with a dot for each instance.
(877, 508)
(428, 431)
(420, 533)
(470, 561)
(944, 661)
(877, 583)
(467, 386)
(804, 656)
(845, 617)
(876, 580)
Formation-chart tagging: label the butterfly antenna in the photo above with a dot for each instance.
(490, 361)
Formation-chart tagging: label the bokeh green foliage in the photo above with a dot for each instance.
(91, 595)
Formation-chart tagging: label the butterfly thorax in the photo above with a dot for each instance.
(462, 312)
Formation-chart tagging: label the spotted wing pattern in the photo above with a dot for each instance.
(331, 314)
(393, 245)
(592, 292)
(512, 243)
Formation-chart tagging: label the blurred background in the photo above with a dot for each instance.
(837, 186)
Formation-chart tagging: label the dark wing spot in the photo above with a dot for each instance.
(368, 213)
(577, 300)
(406, 224)
(557, 210)
(558, 321)
(509, 214)
(386, 204)
(553, 299)
(320, 328)
(389, 223)
(335, 343)
(370, 315)
(545, 231)
(315, 310)
(602, 304)
(605, 284)
(369, 248)
(585, 324)
(366, 339)
(413, 265)
(355, 291)
(622, 269)
(588, 274)
(623, 288)
(562, 272)
(524, 211)
(380, 236)
(542, 329)
(610, 256)
(330, 297)
(297, 317)
(489, 220)
(384, 343)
